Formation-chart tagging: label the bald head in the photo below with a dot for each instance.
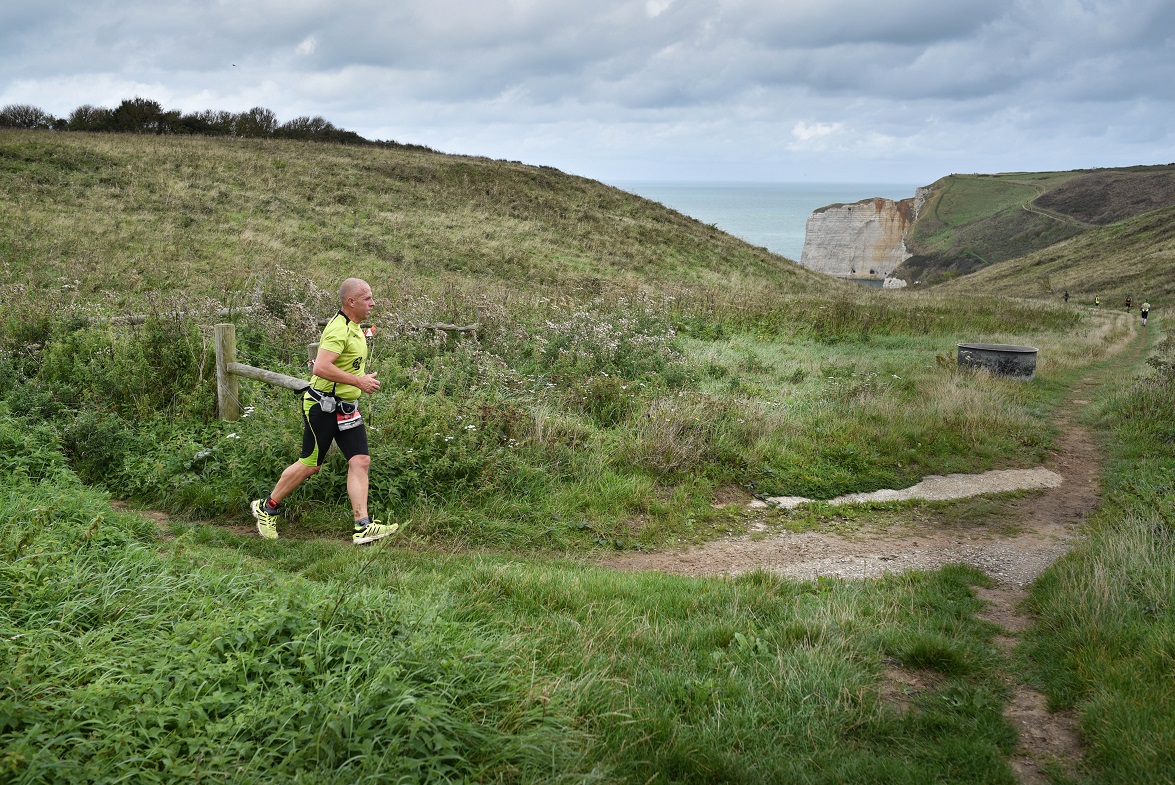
(352, 287)
(355, 299)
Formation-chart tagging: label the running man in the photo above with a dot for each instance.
(1145, 310)
(330, 413)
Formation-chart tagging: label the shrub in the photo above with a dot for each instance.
(96, 444)
(138, 116)
(31, 450)
(258, 121)
(89, 118)
(24, 116)
(162, 365)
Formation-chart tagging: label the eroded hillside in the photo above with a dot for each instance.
(970, 222)
(1132, 258)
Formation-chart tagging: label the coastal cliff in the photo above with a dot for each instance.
(865, 240)
(963, 223)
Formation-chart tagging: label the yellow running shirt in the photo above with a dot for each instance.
(345, 337)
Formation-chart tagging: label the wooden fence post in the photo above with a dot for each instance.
(228, 399)
(229, 371)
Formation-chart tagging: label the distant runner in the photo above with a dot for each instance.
(1146, 309)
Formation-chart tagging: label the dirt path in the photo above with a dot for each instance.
(1044, 523)
(1045, 212)
(1043, 526)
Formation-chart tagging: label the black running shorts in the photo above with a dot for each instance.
(322, 429)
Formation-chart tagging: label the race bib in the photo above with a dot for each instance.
(348, 419)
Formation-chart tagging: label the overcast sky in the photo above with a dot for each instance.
(899, 91)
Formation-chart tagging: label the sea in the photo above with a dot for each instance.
(770, 215)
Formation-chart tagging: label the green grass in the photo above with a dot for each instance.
(968, 199)
(630, 366)
(195, 663)
(133, 214)
(214, 657)
(1103, 643)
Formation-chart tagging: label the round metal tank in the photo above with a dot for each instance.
(999, 358)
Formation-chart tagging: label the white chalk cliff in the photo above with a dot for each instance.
(865, 240)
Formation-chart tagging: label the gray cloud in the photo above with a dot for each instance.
(775, 89)
(839, 22)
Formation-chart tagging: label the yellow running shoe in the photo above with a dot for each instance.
(266, 521)
(367, 530)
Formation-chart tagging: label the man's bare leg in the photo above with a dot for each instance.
(358, 469)
(294, 475)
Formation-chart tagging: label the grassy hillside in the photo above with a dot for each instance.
(131, 213)
(1134, 257)
(630, 364)
(969, 222)
(637, 377)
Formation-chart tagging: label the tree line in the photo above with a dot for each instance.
(145, 116)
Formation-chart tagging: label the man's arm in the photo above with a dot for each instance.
(325, 368)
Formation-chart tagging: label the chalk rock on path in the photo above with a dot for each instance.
(937, 488)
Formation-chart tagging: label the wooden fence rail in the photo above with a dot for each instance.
(228, 370)
(223, 313)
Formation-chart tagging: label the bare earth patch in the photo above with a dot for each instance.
(1045, 522)
(160, 519)
(901, 686)
(1045, 737)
